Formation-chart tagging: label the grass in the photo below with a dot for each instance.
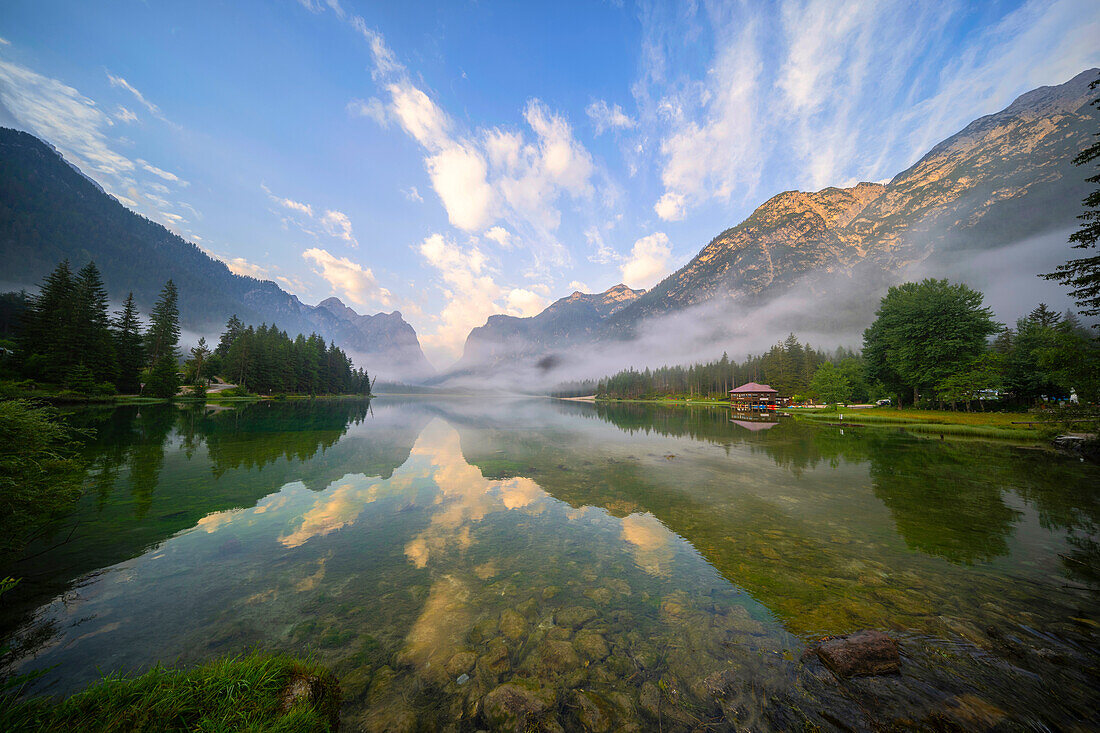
(935, 422)
(239, 694)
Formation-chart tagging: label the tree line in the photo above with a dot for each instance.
(267, 360)
(66, 336)
(789, 366)
(932, 343)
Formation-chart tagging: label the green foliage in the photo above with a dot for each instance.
(129, 347)
(924, 333)
(164, 380)
(241, 694)
(40, 474)
(830, 385)
(164, 330)
(265, 360)
(788, 367)
(1082, 274)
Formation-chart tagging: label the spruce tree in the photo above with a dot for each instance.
(163, 338)
(92, 334)
(46, 341)
(129, 348)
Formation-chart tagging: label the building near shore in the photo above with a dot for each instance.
(753, 396)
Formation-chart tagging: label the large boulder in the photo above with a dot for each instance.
(867, 652)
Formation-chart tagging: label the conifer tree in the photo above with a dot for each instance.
(46, 339)
(163, 338)
(91, 325)
(129, 347)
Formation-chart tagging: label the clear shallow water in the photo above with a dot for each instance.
(620, 566)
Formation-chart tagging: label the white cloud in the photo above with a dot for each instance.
(372, 108)
(412, 195)
(471, 294)
(609, 117)
(458, 175)
(297, 206)
(122, 114)
(354, 281)
(524, 303)
(419, 116)
(670, 206)
(118, 81)
(648, 261)
(241, 266)
(578, 286)
(161, 173)
(338, 225)
(62, 115)
(501, 236)
(4, 42)
(812, 93)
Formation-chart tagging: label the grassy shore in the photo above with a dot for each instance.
(251, 693)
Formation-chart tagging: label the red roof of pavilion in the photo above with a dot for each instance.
(753, 388)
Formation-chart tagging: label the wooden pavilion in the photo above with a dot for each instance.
(753, 396)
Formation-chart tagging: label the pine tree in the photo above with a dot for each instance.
(92, 334)
(163, 338)
(129, 348)
(47, 338)
(164, 331)
(233, 329)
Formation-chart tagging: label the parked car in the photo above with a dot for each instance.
(883, 403)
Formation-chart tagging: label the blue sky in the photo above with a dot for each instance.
(458, 159)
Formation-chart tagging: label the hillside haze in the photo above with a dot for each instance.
(990, 205)
(50, 211)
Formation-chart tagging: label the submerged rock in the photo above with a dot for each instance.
(574, 616)
(867, 652)
(590, 645)
(461, 662)
(516, 706)
(512, 625)
(592, 711)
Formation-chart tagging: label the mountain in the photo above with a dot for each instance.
(573, 319)
(818, 261)
(50, 211)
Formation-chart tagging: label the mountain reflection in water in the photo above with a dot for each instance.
(632, 562)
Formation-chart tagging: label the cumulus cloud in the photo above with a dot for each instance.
(578, 286)
(524, 303)
(648, 261)
(609, 117)
(413, 195)
(471, 295)
(241, 266)
(491, 175)
(458, 174)
(349, 278)
(501, 236)
(338, 225)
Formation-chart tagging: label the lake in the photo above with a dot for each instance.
(617, 567)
